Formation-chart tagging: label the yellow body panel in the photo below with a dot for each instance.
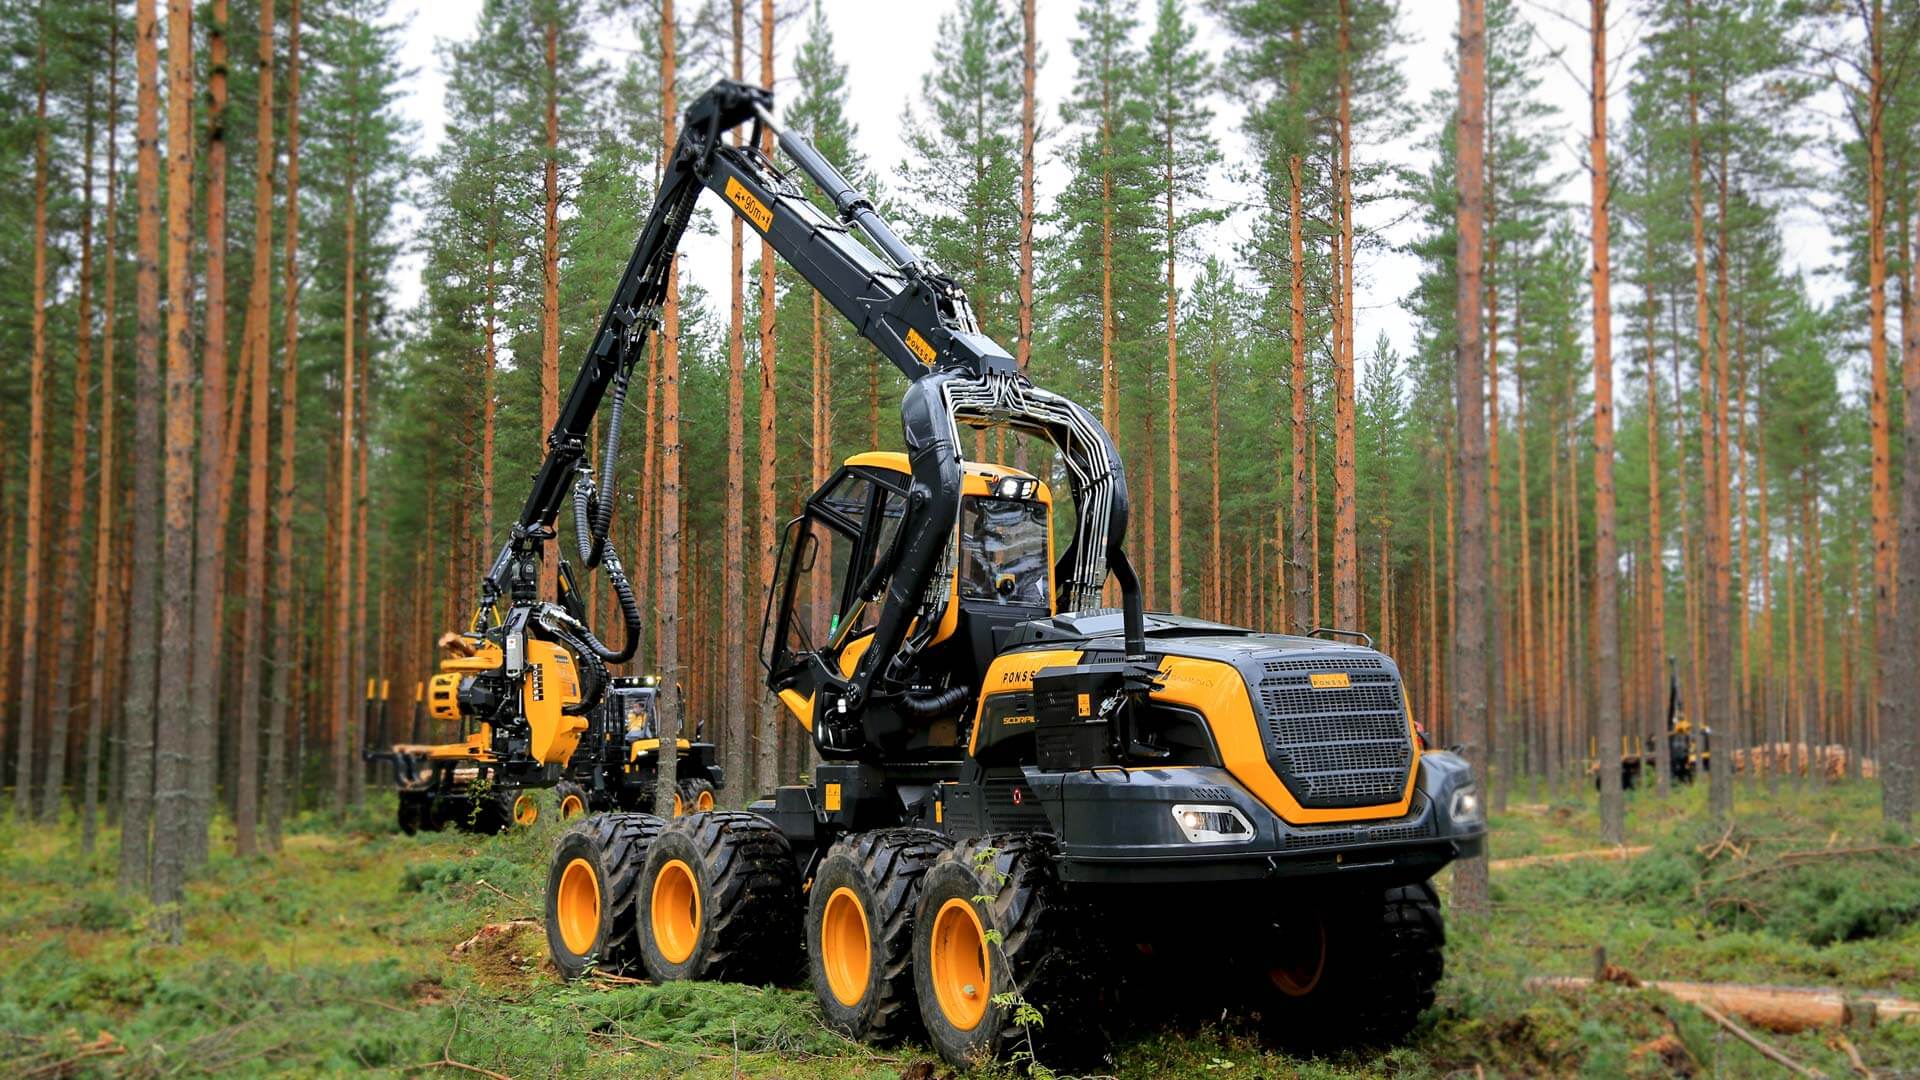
(1216, 691)
(1011, 672)
(651, 746)
(551, 684)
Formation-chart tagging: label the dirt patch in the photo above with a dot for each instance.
(1671, 1054)
(505, 953)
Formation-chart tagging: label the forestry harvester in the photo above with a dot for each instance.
(612, 764)
(1017, 788)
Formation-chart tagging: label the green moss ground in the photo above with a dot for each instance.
(340, 956)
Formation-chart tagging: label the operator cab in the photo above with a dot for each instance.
(836, 561)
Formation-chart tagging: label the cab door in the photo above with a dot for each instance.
(824, 602)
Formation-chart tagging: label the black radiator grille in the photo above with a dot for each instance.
(1338, 746)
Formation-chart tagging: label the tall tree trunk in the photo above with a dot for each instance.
(550, 273)
(1709, 444)
(1470, 647)
(489, 372)
(1346, 552)
(68, 589)
(1657, 543)
(285, 609)
(1029, 66)
(258, 355)
(1301, 608)
(1606, 607)
(104, 566)
(346, 701)
(143, 642)
(208, 546)
(768, 733)
(173, 743)
(669, 599)
(1216, 571)
(738, 665)
(1896, 789)
(1900, 683)
(36, 446)
(1176, 577)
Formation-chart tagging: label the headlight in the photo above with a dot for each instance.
(1212, 824)
(1466, 807)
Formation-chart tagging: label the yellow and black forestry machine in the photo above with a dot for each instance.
(1017, 789)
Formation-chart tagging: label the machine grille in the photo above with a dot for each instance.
(1338, 746)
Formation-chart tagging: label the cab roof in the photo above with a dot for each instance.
(896, 461)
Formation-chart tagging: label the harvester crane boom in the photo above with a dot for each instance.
(917, 317)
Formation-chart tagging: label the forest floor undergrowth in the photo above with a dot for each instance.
(361, 950)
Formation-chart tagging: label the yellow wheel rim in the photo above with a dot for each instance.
(679, 805)
(571, 807)
(704, 801)
(526, 810)
(959, 964)
(577, 906)
(1302, 961)
(846, 950)
(676, 911)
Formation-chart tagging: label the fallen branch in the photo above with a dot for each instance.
(617, 980)
(1622, 851)
(104, 1046)
(1845, 1046)
(1748, 1037)
(449, 1063)
(502, 892)
(1781, 1009)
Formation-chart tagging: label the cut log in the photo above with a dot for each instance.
(1782, 1009)
(1624, 851)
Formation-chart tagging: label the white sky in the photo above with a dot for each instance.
(887, 45)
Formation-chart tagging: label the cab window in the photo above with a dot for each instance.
(1003, 551)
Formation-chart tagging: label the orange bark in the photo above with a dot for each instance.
(283, 596)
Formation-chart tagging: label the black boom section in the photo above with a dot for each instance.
(917, 317)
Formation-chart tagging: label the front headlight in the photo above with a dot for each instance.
(1212, 824)
(1466, 807)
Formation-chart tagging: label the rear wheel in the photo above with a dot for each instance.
(592, 888)
(720, 899)
(569, 800)
(979, 964)
(1357, 973)
(860, 931)
(524, 809)
(696, 797)
(414, 812)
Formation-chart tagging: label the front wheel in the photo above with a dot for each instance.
(1356, 973)
(1001, 963)
(860, 931)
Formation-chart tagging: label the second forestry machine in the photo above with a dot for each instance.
(1018, 789)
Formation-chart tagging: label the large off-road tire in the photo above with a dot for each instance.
(1356, 973)
(696, 797)
(523, 808)
(720, 900)
(592, 892)
(860, 931)
(570, 800)
(972, 989)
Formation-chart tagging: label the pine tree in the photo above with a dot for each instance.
(1469, 651)
(1186, 156)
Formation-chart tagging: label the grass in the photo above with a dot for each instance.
(340, 956)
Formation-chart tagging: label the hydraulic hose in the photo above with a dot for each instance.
(934, 705)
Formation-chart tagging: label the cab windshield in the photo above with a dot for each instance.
(1003, 551)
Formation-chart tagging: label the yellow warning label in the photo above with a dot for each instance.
(756, 211)
(1335, 681)
(833, 798)
(1086, 704)
(920, 347)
